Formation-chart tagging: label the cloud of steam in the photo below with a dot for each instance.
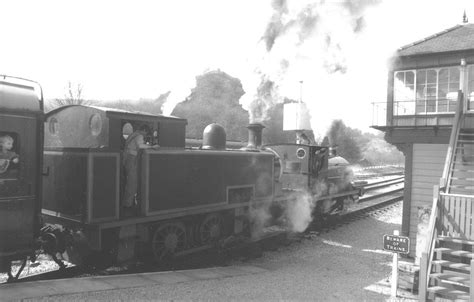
(338, 48)
(303, 40)
(260, 218)
(299, 212)
(179, 93)
(294, 214)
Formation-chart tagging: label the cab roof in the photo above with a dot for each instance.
(121, 113)
(17, 94)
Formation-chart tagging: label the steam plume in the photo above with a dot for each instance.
(303, 40)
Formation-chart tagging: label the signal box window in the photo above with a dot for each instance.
(404, 90)
(470, 86)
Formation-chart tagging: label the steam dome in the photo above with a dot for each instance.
(213, 137)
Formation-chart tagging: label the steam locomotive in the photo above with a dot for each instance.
(63, 194)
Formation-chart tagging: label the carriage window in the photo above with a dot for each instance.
(9, 155)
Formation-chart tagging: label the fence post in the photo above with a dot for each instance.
(423, 277)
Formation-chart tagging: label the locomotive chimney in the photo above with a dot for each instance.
(255, 136)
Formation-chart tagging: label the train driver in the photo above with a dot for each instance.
(133, 144)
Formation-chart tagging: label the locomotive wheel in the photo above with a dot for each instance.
(211, 229)
(167, 240)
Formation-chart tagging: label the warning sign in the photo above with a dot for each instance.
(396, 244)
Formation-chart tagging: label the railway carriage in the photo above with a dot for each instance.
(21, 121)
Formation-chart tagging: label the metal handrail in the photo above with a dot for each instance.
(379, 109)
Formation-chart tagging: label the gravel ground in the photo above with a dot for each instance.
(333, 266)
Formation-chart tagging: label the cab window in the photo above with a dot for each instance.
(9, 155)
(9, 164)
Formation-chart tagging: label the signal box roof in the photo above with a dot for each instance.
(457, 38)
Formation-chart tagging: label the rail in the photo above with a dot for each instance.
(434, 226)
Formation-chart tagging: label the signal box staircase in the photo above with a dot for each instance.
(447, 263)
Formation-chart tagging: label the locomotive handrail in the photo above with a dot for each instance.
(78, 150)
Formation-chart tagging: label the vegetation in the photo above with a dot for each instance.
(215, 99)
(152, 106)
(363, 148)
(73, 96)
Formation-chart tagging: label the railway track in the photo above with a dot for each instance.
(371, 203)
(382, 194)
(371, 190)
(384, 183)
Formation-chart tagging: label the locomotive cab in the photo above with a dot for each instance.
(82, 158)
(21, 116)
(302, 166)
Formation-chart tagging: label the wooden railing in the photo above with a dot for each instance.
(427, 255)
(439, 199)
(455, 214)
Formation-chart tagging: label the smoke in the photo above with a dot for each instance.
(303, 41)
(275, 26)
(338, 48)
(266, 97)
(179, 93)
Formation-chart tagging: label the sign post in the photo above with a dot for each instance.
(396, 244)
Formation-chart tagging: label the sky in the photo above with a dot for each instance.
(127, 50)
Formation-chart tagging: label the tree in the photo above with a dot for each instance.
(346, 140)
(152, 106)
(215, 99)
(358, 147)
(378, 152)
(73, 96)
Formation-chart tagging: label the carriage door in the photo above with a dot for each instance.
(19, 163)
